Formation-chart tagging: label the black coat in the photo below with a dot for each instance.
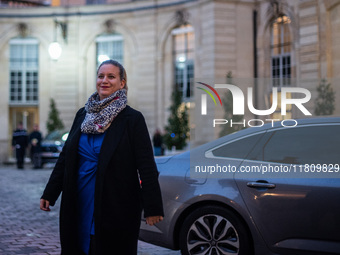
(20, 137)
(35, 148)
(119, 197)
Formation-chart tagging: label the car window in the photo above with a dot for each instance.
(55, 135)
(302, 145)
(239, 148)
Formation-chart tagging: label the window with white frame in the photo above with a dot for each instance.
(281, 50)
(281, 47)
(24, 75)
(183, 54)
(110, 47)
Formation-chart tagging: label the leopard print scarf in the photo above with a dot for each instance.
(100, 114)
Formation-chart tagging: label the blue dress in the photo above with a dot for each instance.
(88, 151)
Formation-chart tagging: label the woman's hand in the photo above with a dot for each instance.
(45, 205)
(152, 220)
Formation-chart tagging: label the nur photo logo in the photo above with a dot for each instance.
(282, 99)
(204, 97)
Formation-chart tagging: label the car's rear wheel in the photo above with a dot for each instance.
(213, 230)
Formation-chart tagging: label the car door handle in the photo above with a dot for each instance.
(260, 185)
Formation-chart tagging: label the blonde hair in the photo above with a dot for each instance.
(122, 72)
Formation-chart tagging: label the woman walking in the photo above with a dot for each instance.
(106, 173)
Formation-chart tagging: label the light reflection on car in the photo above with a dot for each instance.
(254, 213)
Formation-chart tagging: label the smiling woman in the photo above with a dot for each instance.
(110, 78)
(110, 148)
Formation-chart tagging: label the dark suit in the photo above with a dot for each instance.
(119, 198)
(20, 141)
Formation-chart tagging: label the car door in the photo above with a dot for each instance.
(295, 210)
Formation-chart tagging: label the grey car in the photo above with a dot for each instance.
(280, 195)
(52, 145)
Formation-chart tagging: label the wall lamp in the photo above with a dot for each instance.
(54, 48)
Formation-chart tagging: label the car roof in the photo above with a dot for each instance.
(56, 135)
(265, 127)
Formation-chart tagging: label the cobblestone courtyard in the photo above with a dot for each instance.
(24, 228)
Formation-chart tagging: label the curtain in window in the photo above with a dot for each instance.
(24, 66)
(183, 53)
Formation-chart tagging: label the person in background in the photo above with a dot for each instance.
(157, 143)
(35, 150)
(20, 142)
(106, 173)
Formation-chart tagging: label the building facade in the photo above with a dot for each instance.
(162, 44)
